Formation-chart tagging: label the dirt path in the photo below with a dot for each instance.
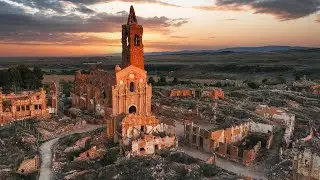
(46, 154)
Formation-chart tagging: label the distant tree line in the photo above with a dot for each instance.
(163, 81)
(21, 77)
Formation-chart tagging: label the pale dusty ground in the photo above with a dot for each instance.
(222, 163)
(46, 154)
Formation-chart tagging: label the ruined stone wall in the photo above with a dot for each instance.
(213, 93)
(224, 142)
(91, 154)
(208, 93)
(150, 144)
(182, 93)
(25, 105)
(306, 165)
(29, 166)
(261, 128)
(92, 90)
(53, 98)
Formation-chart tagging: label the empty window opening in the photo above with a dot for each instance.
(131, 86)
(136, 40)
(23, 108)
(104, 95)
(28, 108)
(39, 106)
(142, 149)
(36, 107)
(156, 147)
(18, 108)
(194, 139)
(132, 110)
(142, 129)
(127, 39)
(201, 142)
(38, 97)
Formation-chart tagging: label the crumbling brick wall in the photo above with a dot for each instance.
(92, 153)
(182, 93)
(213, 93)
(53, 98)
(150, 144)
(306, 165)
(248, 157)
(29, 166)
(234, 152)
(24, 105)
(92, 90)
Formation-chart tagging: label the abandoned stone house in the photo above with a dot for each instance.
(133, 124)
(239, 142)
(92, 91)
(281, 118)
(306, 161)
(23, 105)
(215, 93)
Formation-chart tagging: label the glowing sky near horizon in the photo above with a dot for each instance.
(93, 27)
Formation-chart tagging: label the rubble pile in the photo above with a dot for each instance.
(164, 165)
(282, 170)
(51, 128)
(16, 145)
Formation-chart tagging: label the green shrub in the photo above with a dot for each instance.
(208, 170)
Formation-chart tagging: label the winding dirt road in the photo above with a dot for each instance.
(46, 154)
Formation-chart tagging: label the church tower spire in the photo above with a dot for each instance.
(132, 46)
(132, 19)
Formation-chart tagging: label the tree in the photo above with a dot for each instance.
(151, 81)
(175, 81)
(264, 80)
(39, 76)
(15, 78)
(281, 78)
(162, 81)
(253, 85)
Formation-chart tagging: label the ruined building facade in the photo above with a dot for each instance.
(306, 161)
(92, 91)
(133, 125)
(24, 105)
(238, 143)
(215, 93)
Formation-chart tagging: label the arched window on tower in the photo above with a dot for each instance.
(127, 41)
(131, 86)
(136, 40)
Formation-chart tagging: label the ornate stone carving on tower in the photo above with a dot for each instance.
(132, 46)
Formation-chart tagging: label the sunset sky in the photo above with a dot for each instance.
(93, 27)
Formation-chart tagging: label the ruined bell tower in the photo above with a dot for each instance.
(132, 47)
